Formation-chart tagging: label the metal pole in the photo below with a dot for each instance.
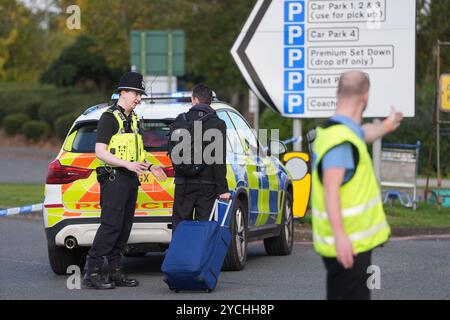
(376, 154)
(431, 146)
(253, 107)
(297, 132)
(430, 160)
(170, 59)
(438, 126)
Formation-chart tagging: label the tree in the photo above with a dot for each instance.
(432, 25)
(79, 65)
(21, 42)
(211, 27)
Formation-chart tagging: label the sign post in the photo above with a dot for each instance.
(253, 107)
(292, 52)
(297, 132)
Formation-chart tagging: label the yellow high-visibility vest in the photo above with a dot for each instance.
(362, 210)
(126, 146)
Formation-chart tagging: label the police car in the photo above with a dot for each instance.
(261, 186)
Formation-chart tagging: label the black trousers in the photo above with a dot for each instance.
(348, 284)
(190, 197)
(118, 202)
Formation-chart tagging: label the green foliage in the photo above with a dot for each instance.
(421, 128)
(56, 107)
(210, 26)
(16, 195)
(22, 98)
(35, 130)
(400, 217)
(23, 42)
(63, 124)
(79, 65)
(65, 102)
(273, 120)
(425, 216)
(432, 25)
(13, 123)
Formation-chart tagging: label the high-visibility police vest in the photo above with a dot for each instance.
(362, 211)
(126, 146)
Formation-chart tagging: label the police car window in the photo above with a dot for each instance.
(155, 135)
(234, 143)
(84, 141)
(245, 132)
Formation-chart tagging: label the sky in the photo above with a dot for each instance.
(40, 5)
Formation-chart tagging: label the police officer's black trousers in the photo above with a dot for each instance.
(118, 203)
(348, 284)
(190, 197)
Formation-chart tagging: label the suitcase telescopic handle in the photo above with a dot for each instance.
(226, 213)
(215, 212)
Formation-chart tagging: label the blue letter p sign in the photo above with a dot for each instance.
(294, 11)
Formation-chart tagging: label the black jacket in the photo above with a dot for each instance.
(215, 173)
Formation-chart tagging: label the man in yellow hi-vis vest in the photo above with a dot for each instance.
(348, 216)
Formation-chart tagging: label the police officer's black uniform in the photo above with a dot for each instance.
(118, 196)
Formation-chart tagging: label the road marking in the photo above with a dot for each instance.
(423, 237)
(28, 262)
(397, 239)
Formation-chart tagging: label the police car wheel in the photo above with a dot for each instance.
(237, 253)
(282, 244)
(61, 258)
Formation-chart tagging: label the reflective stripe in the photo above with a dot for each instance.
(354, 236)
(350, 212)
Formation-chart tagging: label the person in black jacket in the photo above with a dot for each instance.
(200, 191)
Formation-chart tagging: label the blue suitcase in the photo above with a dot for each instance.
(196, 253)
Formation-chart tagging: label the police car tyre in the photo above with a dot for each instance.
(237, 253)
(61, 258)
(282, 244)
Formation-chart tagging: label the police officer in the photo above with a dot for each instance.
(122, 161)
(348, 216)
(198, 193)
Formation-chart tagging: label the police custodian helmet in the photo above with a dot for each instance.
(132, 81)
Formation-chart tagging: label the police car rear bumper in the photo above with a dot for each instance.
(151, 230)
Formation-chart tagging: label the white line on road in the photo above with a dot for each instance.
(27, 262)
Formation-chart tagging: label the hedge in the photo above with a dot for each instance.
(35, 130)
(13, 123)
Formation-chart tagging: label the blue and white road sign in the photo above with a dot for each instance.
(292, 53)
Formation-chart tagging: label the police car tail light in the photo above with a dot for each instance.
(59, 174)
(169, 172)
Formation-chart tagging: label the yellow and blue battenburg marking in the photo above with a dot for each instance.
(265, 181)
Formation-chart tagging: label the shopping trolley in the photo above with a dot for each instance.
(398, 173)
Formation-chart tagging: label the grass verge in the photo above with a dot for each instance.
(17, 195)
(398, 216)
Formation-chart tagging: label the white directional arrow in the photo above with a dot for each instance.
(241, 48)
(292, 52)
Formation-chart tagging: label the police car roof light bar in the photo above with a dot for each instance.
(180, 96)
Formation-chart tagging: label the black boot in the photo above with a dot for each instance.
(94, 279)
(120, 279)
